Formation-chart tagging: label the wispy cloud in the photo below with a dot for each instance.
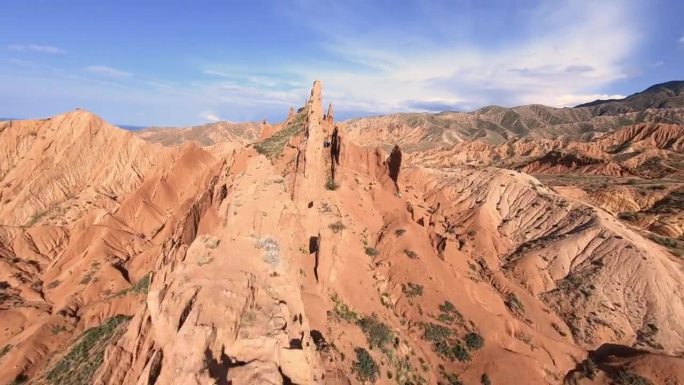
(108, 71)
(681, 40)
(49, 49)
(209, 116)
(581, 51)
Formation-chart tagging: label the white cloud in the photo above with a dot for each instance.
(209, 116)
(108, 71)
(681, 40)
(37, 48)
(582, 49)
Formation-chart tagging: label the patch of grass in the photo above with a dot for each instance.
(412, 289)
(53, 284)
(365, 367)
(372, 251)
(274, 145)
(336, 227)
(343, 311)
(411, 254)
(85, 357)
(140, 287)
(474, 341)
(331, 185)
(377, 333)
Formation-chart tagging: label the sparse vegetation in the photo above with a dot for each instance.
(36, 217)
(271, 250)
(484, 380)
(624, 377)
(343, 311)
(53, 284)
(411, 254)
(331, 185)
(85, 357)
(21, 378)
(589, 368)
(365, 367)
(514, 304)
(140, 287)
(412, 289)
(57, 329)
(211, 242)
(453, 379)
(448, 313)
(5, 349)
(204, 258)
(377, 333)
(89, 275)
(274, 145)
(371, 251)
(628, 216)
(336, 227)
(444, 343)
(399, 232)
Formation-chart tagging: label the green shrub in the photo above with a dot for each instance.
(365, 367)
(412, 289)
(371, 251)
(411, 254)
(453, 379)
(514, 304)
(85, 357)
(474, 341)
(343, 311)
(336, 227)
(377, 333)
(331, 185)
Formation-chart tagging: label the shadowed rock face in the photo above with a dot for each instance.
(236, 263)
(394, 163)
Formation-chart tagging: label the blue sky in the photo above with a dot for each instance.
(182, 63)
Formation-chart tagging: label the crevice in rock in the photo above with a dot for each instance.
(316, 255)
(186, 311)
(155, 367)
(334, 152)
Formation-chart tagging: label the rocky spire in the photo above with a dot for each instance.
(329, 116)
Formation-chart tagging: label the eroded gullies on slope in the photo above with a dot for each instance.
(261, 272)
